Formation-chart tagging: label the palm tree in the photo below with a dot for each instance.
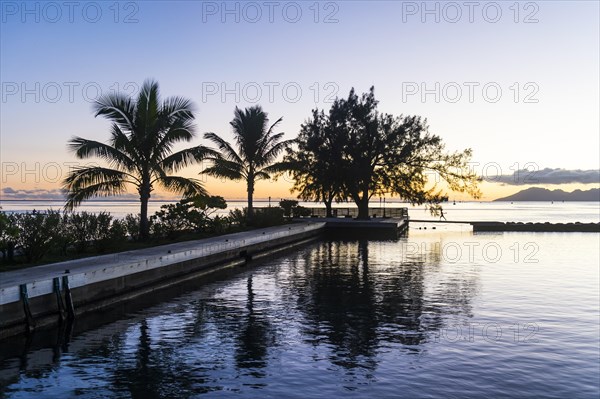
(257, 150)
(139, 152)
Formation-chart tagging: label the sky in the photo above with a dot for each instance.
(518, 82)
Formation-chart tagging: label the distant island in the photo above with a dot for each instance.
(543, 194)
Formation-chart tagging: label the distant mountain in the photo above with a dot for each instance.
(543, 194)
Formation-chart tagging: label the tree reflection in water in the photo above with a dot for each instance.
(353, 305)
(358, 308)
(256, 336)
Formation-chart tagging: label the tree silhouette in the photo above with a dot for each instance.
(140, 150)
(357, 152)
(315, 165)
(257, 149)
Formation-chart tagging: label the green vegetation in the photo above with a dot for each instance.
(28, 239)
(36, 234)
(188, 215)
(140, 151)
(9, 232)
(257, 150)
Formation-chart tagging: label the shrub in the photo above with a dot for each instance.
(288, 206)
(220, 225)
(82, 225)
(265, 217)
(300, 211)
(170, 221)
(9, 233)
(132, 226)
(65, 234)
(37, 233)
(207, 205)
(188, 215)
(100, 234)
(238, 217)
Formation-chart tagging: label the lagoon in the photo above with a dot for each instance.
(433, 314)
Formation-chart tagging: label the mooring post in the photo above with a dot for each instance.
(68, 298)
(59, 301)
(27, 309)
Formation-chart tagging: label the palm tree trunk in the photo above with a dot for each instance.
(250, 199)
(144, 225)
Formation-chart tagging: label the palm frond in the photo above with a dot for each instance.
(85, 183)
(82, 177)
(175, 132)
(186, 157)
(261, 175)
(227, 151)
(84, 148)
(265, 143)
(182, 185)
(146, 117)
(275, 150)
(104, 189)
(117, 108)
(277, 122)
(282, 167)
(224, 168)
(177, 107)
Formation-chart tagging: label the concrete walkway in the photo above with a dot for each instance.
(99, 268)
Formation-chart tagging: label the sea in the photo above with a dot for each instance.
(431, 314)
(553, 212)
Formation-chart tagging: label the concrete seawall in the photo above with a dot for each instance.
(35, 297)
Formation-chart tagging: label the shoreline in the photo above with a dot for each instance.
(43, 296)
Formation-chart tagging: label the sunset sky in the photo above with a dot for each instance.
(517, 84)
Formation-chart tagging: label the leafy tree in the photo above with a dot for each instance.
(257, 149)
(140, 150)
(379, 154)
(316, 165)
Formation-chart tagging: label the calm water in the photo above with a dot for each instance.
(437, 314)
(558, 212)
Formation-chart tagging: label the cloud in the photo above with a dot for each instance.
(547, 176)
(9, 193)
(57, 194)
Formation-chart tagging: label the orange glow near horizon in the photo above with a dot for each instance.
(264, 189)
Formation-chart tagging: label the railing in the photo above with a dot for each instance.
(353, 212)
